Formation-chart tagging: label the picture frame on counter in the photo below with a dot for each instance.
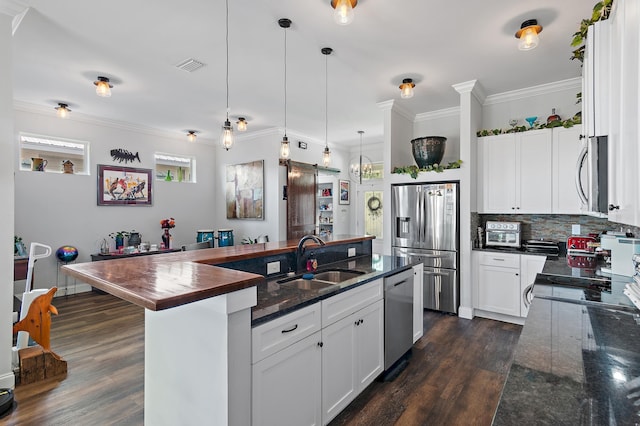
(345, 192)
(124, 186)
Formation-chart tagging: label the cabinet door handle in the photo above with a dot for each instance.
(517, 275)
(498, 259)
(320, 344)
(290, 330)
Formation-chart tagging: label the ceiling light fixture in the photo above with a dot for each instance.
(406, 88)
(103, 87)
(241, 124)
(62, 110)
(191, 135)
(528, 34)
(326, 154)
(284, 145)
(343, 13)
(362, 166)
(226, 137)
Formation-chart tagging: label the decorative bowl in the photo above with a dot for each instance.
(428, 150)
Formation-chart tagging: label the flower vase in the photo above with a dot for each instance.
(119, 242)
(166, 238)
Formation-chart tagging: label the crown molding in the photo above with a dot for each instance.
(393, 105)
(473, 87)
(12, 7)
(542, 89)
(442, 113)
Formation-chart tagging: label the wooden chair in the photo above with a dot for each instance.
(197, 246)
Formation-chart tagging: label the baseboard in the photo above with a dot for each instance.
(72, 289)
(499, 317)
(8, 380)
(465, 312)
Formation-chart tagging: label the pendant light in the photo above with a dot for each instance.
(406, 88)
(343, 13)
(62, 110)
(284, 145)
(226, 137)
(326, 155)
(528, 34)
(362, 166)
(242, 124)
(103, 87)
(191, 135)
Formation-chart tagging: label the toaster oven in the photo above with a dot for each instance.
(502, 234)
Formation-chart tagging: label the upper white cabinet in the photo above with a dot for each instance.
(515, 172)
(624, 155)
(566, 151)
(596, 80)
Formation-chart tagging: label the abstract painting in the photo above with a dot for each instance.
(245, 190)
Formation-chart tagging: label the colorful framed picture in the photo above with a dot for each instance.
(245, 190)
(344, 192)
(124, 186)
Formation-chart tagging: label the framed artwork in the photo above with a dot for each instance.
(124, 186)
(344, 192)
(245, 190)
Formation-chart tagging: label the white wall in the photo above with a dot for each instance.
(443, 123)
(266, 146)
(61, 209)
(6, 207)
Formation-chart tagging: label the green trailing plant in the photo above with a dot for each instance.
(414, 170)
(601, 12)
(570, 122)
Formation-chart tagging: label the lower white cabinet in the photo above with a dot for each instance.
(352, 357)
(287, 385)
(500, 281)
(418, 302)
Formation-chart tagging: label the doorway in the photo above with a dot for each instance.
(369, 215)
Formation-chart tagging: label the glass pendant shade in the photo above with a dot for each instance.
(343, 13)
(242, 124)
(226, 138)
(62, 110)
(406, 88)
(326, 157)
(191, 136)
(103, 88)
(284, 148)
(528, 39)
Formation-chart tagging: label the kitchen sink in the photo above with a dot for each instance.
(303, 284)
(337, 276)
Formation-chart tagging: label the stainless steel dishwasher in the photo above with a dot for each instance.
(398, 316)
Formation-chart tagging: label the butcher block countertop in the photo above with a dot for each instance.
(167, 280)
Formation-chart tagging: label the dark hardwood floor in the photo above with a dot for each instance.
(454, 377)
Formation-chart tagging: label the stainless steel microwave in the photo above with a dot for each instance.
(502, 234)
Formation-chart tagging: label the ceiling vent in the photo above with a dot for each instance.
(190, 65)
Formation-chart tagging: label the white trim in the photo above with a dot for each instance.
(8, 381)
(465, 312)
(394, 106)
(12, 7)
(542, 89)
(442, 113)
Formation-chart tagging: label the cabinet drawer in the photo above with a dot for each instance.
(504, 260)
(344, 304)
(275, 335)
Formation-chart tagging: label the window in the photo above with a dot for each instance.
(57, 155)
(177, 168)
(377, 172)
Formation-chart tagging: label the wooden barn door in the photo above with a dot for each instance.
(301, 200)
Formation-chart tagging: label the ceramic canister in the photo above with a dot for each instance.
(204, 235)
(225, 237)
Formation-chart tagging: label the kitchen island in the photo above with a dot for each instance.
(578, 357)
(198, 324)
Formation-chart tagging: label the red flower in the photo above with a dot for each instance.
(168, 223)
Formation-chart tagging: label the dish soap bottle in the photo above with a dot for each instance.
(553, 117)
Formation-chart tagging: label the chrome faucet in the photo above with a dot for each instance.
(300, 250)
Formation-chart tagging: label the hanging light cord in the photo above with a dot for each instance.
(227, 43)
(285, 81)
(326, 101)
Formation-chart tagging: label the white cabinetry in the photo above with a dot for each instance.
(515, 172)
(286, 371)
(500, 280)
(596, 80)
(418, 299)
(353, 346)
(566, 150)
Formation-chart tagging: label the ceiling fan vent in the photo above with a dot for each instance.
(190, 65)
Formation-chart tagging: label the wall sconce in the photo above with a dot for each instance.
(528, 34)
(241, 124)
(406, 88)
(103, 88)
(62, 110)
(191, 135)
(343, 13)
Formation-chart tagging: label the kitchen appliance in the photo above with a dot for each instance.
(502, 234)
(425, 229)
(546, 247)
(593, 193)
(622, 251)
(398, 316)
(581, 244)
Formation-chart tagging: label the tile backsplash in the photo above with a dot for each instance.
(555, 227)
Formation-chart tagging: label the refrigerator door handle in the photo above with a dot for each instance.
(436, 274)
(420, 215)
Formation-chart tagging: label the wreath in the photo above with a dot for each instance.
(374, 204)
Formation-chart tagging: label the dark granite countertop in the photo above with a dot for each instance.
(578, 357)
(276, 299)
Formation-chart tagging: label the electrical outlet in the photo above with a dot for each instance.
(352, 264)
(351, 251)
(575, 229)
(273, 267)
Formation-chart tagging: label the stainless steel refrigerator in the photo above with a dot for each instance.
(425, 229)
